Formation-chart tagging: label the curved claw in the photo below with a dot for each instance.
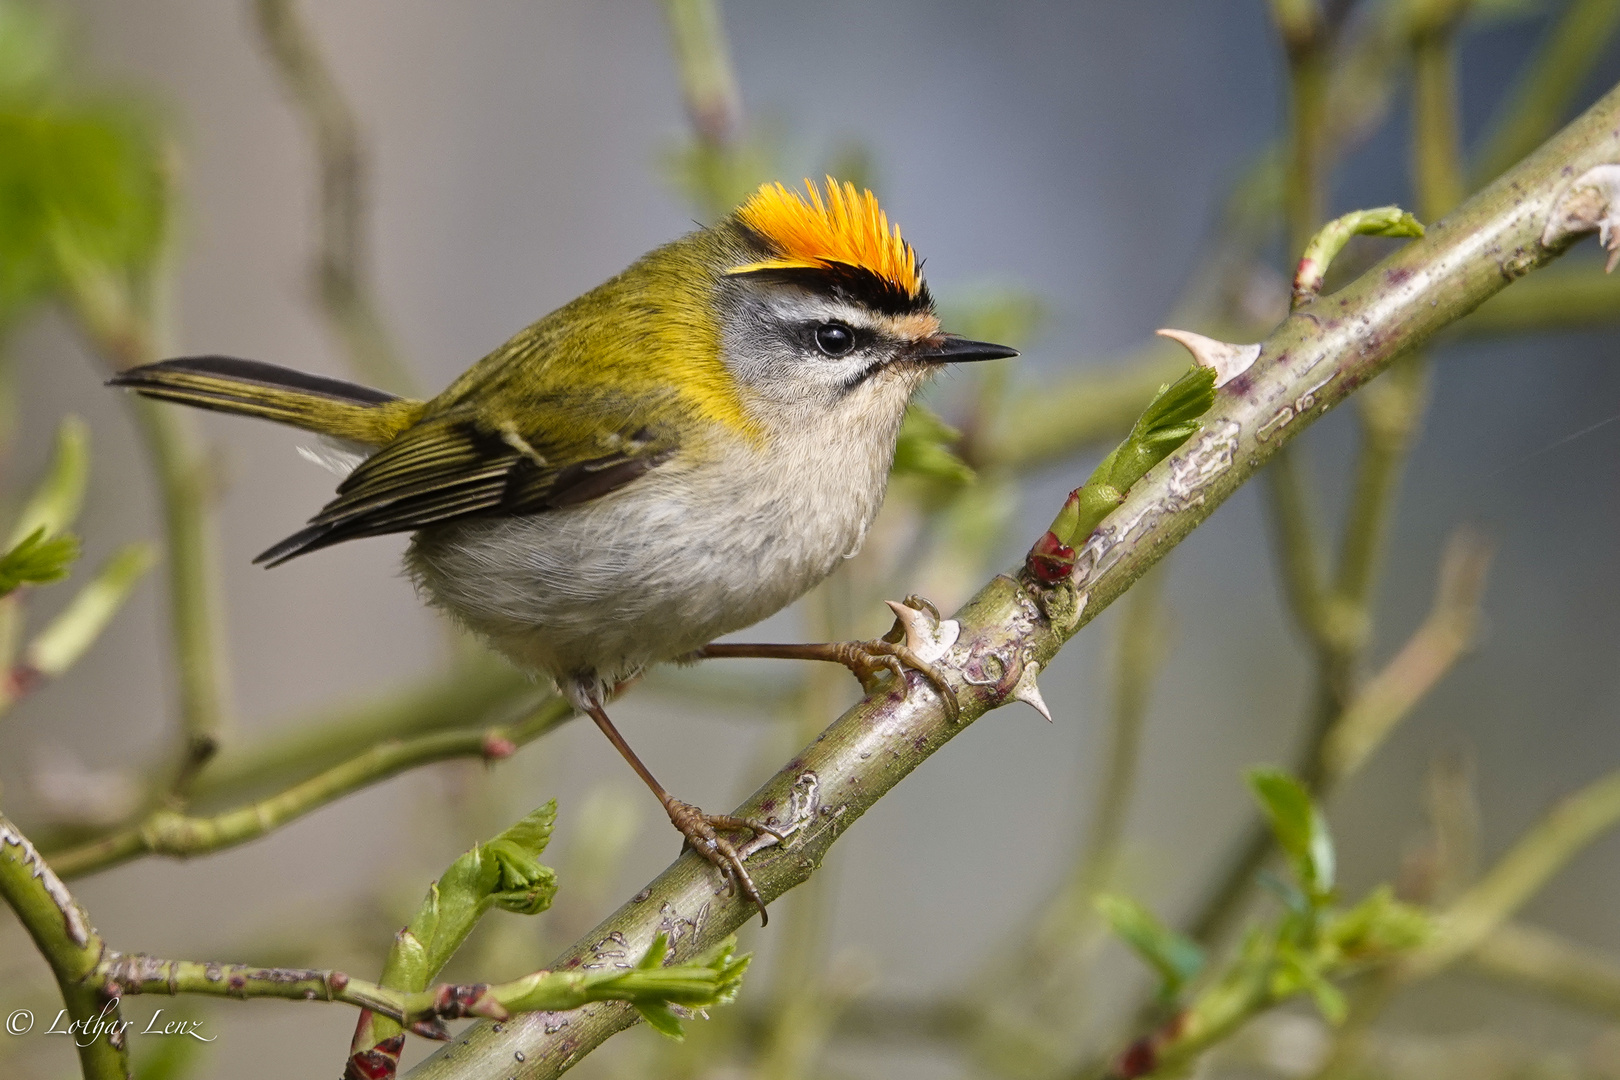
(863, 657)
(699, 830)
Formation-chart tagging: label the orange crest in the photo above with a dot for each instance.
(844, 229)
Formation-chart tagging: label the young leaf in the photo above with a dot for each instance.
(1299, 827)
(37, 560)
(1377, 926)
(1174, 957)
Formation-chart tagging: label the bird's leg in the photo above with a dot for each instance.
(892, 652)
(700, 829)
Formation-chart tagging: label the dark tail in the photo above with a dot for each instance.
(343, 410)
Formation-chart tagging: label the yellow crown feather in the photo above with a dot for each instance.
(844, 228)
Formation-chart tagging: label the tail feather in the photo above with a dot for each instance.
(342, 410)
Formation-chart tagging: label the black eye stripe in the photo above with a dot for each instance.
(861, 376)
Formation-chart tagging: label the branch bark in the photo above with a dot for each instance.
(1012, 628)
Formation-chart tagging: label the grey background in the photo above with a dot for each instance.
(1076, 149)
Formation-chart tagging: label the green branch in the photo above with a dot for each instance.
(62, 932)
(169, 832)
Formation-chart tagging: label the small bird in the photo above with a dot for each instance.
(677, 454)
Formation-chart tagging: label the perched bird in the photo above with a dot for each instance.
(677, 454)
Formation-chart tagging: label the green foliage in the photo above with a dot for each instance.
(1175, 957)
(37, 560)
(1300, 829)
(1302, 951)
(504, 873)
(82, 184)
(926, 449)
(1170, 419)
(1379, 925)
(710, 979)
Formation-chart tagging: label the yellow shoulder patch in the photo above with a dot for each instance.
(845, 227)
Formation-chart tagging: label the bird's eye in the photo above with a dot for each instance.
(834, 338)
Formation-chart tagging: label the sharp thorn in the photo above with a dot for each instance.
(1228, 361)
(1029, 691)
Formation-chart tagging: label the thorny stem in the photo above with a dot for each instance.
(169, 832)
(340, 271)
(1337, 617)
(70, 945)
(828, 785)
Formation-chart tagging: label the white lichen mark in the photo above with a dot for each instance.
(1213, 451)
(804, 797)
(1298, 407)
(72, 916)
(1591, 202)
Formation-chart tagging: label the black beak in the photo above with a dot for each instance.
(950, 349)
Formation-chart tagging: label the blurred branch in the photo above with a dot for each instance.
(1481, 913)
(829, 784)
(703, 59)
(115, 317)
(1443, 638)
(341, 272)
(62, 932)
(1529, 958)
(169, 832)
(1569, 827)
(93, 976)
(1546, 87)
(473, 694)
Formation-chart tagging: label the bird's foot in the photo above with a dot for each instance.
(702, 832)
(919, 636)
(918, 640)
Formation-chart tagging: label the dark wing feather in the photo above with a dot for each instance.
(453, 467)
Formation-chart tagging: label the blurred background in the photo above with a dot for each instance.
(1066, 167)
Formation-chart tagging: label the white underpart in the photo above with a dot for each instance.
(694, 549)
